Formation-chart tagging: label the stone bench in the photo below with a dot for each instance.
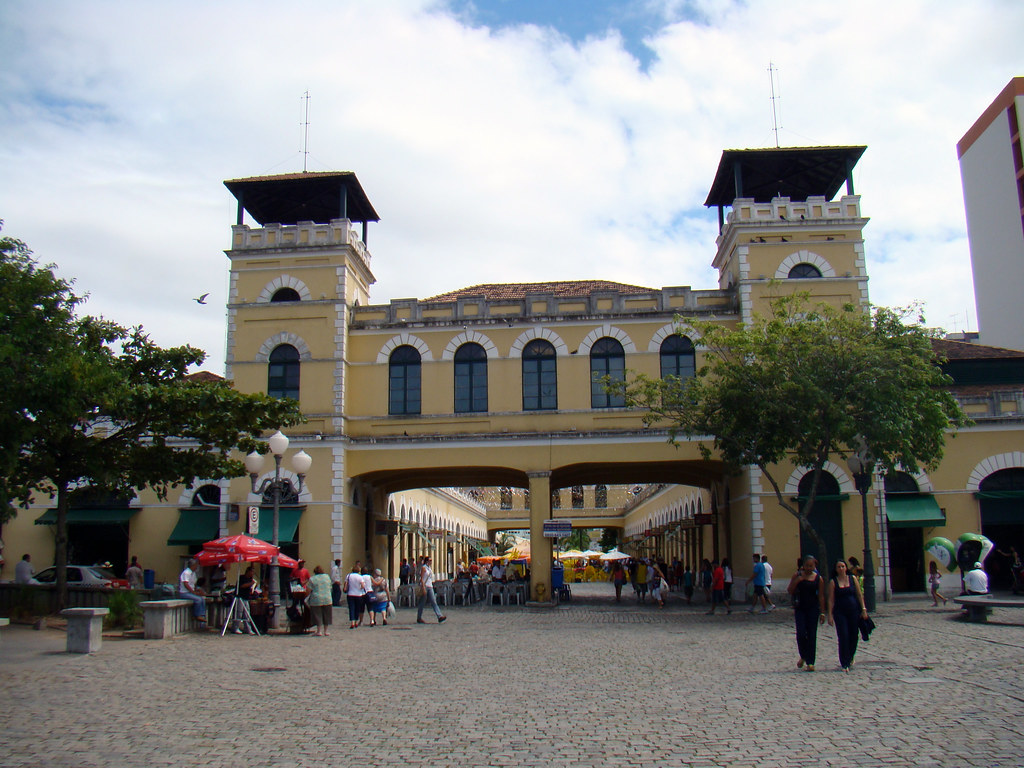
(166, 618)
(85, 629)
(978, 605)
(4, 622)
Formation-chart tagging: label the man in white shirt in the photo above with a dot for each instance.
(336, 583)
(768, 582)
(23, 571)
(976, 581)
(427, 593)
(188, 590)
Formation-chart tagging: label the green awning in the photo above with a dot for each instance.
(485, 552)
(287, 524)
(196, 525)
(91, 516)
(999, 494)
(913, 512)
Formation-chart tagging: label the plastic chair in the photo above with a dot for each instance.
(494, 589)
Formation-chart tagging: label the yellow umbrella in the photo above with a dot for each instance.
(572, 554)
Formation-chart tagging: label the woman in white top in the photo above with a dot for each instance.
(427, 593)
(354, 590)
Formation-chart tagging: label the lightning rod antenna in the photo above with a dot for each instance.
(772, 69)
(305, 132)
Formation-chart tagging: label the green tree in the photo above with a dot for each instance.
(609, 539)
(504, 542)
(806, 383)
(578, 539)
(103, 406)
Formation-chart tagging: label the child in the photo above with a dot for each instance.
(935, 581)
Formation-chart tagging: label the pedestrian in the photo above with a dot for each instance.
(404, 571)
(641, 580)
(134, 574)
(758, 580)
(379, 597)
(768, 570)
(808, 595)
(934, 582)
(427, 594)
(717, 588)
(845, 610)
(367, 595)
(354, 595)
(23, 571)
(320, 601)
(688, 584)
(657, 583)
(618, 579)
(705, 579)
(727, 569)
(336, 579)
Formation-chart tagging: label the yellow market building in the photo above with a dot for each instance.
(435, 423)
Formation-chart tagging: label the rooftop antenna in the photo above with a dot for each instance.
(305, 132)
(772, 69)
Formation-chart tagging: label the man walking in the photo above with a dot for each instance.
(758, 580)
(336, 583)
(767, 582)
(427, 593)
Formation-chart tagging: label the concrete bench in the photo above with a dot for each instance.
(978, 605)
(85, 629)
(4, 622)
(166, 618)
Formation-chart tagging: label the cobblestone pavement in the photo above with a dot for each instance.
(588, 684)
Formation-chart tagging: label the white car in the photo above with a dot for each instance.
(81, 576)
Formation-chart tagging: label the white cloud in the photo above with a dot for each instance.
(510, 156)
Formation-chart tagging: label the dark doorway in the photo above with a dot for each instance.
(906, 559)
(1001, 497)
(826, 518)
(91, 544)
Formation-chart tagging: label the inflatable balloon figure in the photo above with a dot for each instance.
(944, 551)
(972, 548)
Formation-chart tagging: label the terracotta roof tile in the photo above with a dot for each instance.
(965, 350)
(204, 376)
(565, 288)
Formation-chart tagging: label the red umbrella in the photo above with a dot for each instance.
(242, 549)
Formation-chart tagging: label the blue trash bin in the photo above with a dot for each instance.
(148, 578)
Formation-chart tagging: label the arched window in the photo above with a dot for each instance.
(577, 497)
(404, 381)
(206, 496)
(804, 270)
(900, 482)
(677, 357)
(540, 376)
(289, 496)
(285, 294)
(601, 496)
(470, 379)
(607, 359)
(283, 372)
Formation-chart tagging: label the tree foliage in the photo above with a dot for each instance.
(806, 383)
(578, 539)
(90, 403)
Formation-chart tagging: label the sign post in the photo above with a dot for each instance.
(557, 529)
(254, 520)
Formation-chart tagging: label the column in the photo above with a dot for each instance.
(540, 548)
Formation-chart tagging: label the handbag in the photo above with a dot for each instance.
(866, 627)
(391, 609)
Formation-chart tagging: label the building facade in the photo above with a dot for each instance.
(992, 172)
(435, 423)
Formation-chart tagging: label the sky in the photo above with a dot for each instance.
(498, 140)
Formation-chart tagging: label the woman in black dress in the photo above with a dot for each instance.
(808, 594)
(845, 609)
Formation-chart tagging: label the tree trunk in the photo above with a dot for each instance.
(61, 546)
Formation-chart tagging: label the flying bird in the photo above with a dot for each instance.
(201, 299)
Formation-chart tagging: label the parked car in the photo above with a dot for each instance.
(82, 576)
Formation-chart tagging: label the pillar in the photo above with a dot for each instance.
(540, 547)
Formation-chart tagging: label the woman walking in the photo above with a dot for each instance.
(320, 601)
(934, 582)
(845, 608)
(354, 595)
(618, 579)
(808, 596)
(380, 598)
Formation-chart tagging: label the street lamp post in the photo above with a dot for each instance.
(254, 462)
(862, 465)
